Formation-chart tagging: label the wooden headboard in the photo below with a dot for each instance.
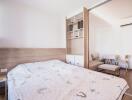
(10, 57)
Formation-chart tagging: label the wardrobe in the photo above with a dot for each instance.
(77, 39)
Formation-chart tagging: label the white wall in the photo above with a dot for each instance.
(27, 27)
(107, 39)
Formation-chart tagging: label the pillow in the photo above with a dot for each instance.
(114, 62)
(110, 61)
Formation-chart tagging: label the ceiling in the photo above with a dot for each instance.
(116, 11)
(58, 6)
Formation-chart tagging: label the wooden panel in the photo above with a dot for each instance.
(74, 37)
(86, 37)
(10, 57)
(77, 46)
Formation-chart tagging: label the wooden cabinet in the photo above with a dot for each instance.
(77, 60)
(77, 38)
(70, 59)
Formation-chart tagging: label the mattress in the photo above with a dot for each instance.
(56, 80)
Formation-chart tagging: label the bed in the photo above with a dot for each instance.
(56, 80)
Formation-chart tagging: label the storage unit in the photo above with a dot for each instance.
(70, 59)
(77, 39)
(75, 60)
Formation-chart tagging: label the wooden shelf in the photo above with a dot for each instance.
(75, 38)
(77, 35)
(72, 23)
(69, 32)
(81, 29)
(78, 54)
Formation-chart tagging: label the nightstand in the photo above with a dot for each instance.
(2, 84)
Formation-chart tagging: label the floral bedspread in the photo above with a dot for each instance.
(56, 80)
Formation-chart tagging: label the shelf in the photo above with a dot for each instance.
(78, 29)
(78, 54)
(75, 38)
(77, 35)
(72, 23)
(75, 19)
(81, 29)
(69, 32)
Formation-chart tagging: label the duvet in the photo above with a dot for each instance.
(56, 80)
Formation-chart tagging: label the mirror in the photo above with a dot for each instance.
(111, 29)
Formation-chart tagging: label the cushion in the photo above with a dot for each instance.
(110, 61)
(109, 67)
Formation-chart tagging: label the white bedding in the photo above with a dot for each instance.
(55, 80)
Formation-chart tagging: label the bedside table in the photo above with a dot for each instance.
(2, 84)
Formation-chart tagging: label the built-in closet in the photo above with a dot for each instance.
(77, 39)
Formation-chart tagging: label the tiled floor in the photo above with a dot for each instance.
(127, 77)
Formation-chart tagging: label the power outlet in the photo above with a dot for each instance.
(3, 70)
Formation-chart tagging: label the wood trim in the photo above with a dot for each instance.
(66, 35)
(126, 25)
(10, 57)
(98, 5)
(86, 37)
